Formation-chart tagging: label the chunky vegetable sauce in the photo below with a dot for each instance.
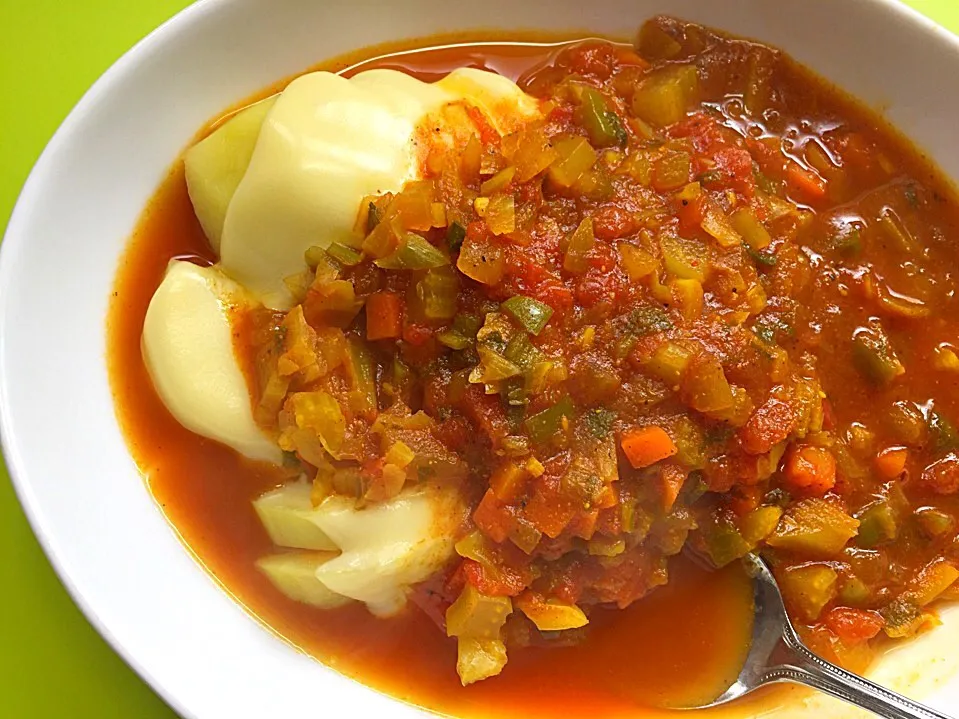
(705, 307)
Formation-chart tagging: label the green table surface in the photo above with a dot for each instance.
(52, 662)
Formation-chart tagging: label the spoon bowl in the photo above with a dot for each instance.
(777, 654)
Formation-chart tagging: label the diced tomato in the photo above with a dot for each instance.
(548, 510)
(488, 134)
(828, 415)
(384, 316)
(417, 335)
(504, 583)
(602, 257)
(611, 222)
(494, 518)
(743, 499)
(691, 214)
(854, 625)
(942, 477)
(583, 525)
(454, 432)
(735, 166)
(810, 470)
(671, 479)
(596, 59)
(555, 294)
(596, 286)
(486, 411)
(768, 425)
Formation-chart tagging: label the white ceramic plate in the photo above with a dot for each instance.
(81, 490)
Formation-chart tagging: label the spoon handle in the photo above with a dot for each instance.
(811, 670)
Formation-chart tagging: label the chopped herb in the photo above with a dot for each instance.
(647, 320)
(372, 218)
(455, 235)
(765, 259)
(710, 176)
(942, 432)
(912, 197)
(847, 243)
(599, 422)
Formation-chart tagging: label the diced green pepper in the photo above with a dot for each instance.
(575, 157)
(808, 588)
(344, 255)
(531, 314)
(814, 527)
(655, 44)
(462, 333)
(665, 94)
(414, 252)
(522, 352)
(934, 522)
(854, 592)
(877, 525)
(690, 441)
(760, 523)
(542, 426)
(438, 292)
(874, 357)
(668, 362)
(763, 259)
(363, 376)
(578, 247)
(603, 126)
(686, 259)
(942, 432)
(724, 543)
(455, 234)
(902, 617)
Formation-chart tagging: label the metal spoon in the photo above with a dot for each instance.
(776, 654)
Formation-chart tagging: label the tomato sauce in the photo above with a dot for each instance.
(861, 187)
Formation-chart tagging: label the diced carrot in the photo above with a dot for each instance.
(810, 470)
(384, 316)
(548, 510)
(507, 481)
(891, 462)
(644, 446)
(810, 185)
(854, 625)
(672, 477)
(494, 518)
(584, 524)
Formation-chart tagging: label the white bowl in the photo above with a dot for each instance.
(81, 490)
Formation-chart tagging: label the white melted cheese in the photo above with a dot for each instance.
(326, 144)
(187, 346)
(385, 548)
(277, 178)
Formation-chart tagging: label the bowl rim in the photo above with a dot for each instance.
(14, 239)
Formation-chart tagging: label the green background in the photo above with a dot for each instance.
(52, 663)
